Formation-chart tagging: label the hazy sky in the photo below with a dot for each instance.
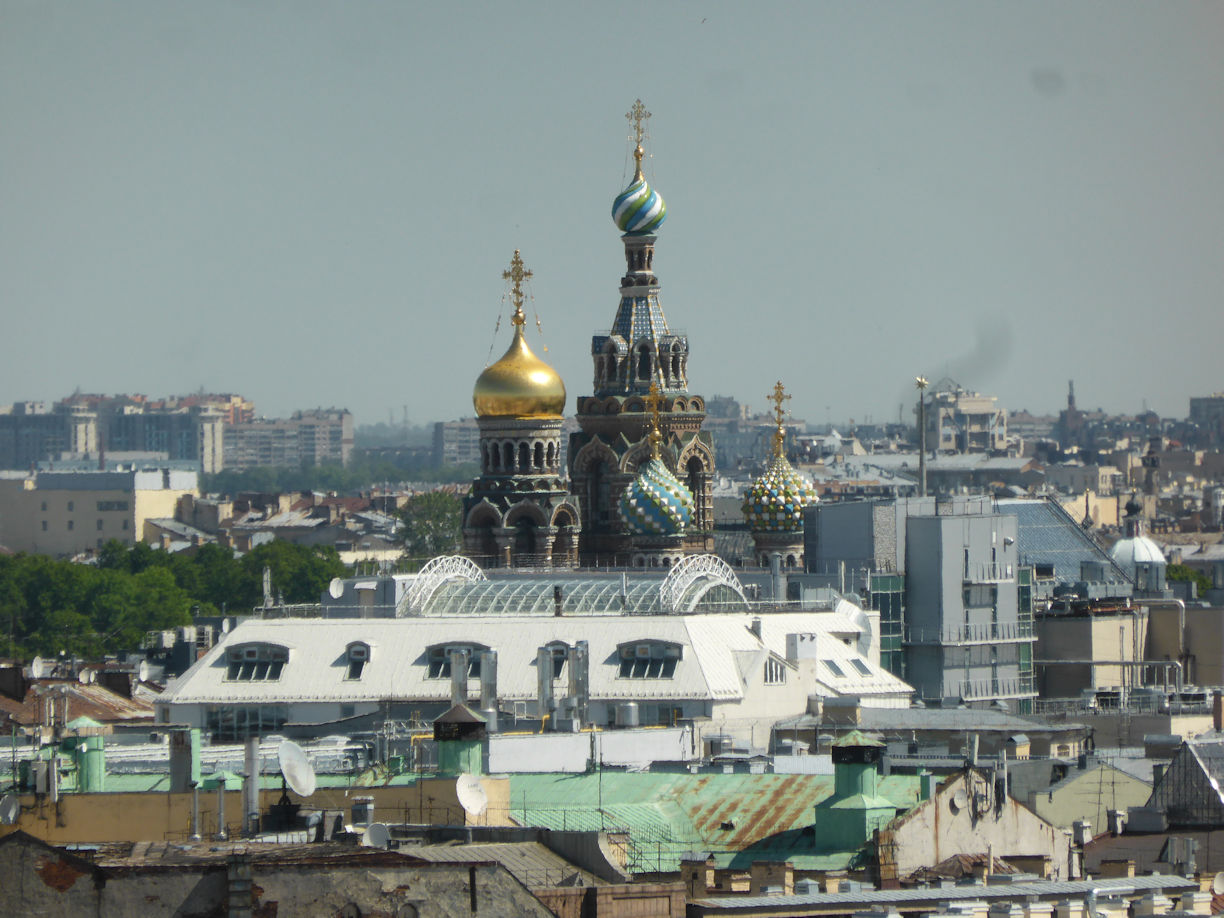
(312, 203)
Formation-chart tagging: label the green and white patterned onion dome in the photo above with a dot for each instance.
(639, 209)
(656, 503)
(776, 500)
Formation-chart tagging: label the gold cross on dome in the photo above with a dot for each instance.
(637, 117)
(517, 274)
(778, 396)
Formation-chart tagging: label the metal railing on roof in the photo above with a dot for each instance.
(291, 610)
(981, 689)
(983, 633)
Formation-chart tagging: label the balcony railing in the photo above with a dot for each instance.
(983, 689)
(989, 573)
(984, 633)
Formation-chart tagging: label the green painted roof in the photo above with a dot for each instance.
(673, 815)
(857, 738)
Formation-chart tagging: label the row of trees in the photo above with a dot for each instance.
(48, 606)
(359, 475)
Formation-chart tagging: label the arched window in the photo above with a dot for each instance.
(492, 456)
(552, 455)
(694, 469)
(507, 457)
(255, 662)
(539, 455)
(649, 659)
(524, 457)
(775, 671)
(643, 366)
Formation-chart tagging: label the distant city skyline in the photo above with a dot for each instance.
(311, 204)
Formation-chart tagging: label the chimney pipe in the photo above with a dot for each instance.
(459, 676)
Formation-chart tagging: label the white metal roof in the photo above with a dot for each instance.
(712, 656)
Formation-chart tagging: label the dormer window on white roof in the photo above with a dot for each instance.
(356, 655)
(255, 662)
(649, 659)
(559, 651)
(438, 658)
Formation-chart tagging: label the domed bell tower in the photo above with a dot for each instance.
(519, 511)
(639, 351)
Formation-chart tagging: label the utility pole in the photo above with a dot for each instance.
(921, 383)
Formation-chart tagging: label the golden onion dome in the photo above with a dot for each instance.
(520, 384)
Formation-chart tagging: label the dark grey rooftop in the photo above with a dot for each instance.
(1044, 889)
(1047, 534)
(982, 720)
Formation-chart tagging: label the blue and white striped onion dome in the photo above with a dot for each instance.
(656, 503)
(639, 209)
(776, 500)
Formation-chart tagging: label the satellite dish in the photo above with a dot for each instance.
(142, 671)
(86, 676)
(10, 807)
(38, 668)
(959, 799)
(335, 589)
(295, 768)
(225, 626)
(1217, 883)
(471, 794)
(376, 836)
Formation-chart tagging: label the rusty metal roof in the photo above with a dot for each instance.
(170, 855)
(670, 815)
(532, 864)
(93, 701)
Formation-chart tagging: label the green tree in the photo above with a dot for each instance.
(299, 573)
(1185, 572)
(432, 524)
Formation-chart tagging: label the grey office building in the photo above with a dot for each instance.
(955, 605)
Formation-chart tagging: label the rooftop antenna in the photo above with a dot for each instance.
(471, 795)
(377, 835)
(10, 809)
(296, 771)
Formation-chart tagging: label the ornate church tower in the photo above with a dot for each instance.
(773, 506)
(518, 511)
(639, 351)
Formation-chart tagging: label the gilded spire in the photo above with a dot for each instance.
(778, 396)
(653, 400)
(637, 117)
(516, 275)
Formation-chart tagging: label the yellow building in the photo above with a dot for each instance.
(1090, 794)
(66, 513)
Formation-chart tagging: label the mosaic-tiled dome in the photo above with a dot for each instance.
(776, 500)
(639, 209)
(656, 503)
